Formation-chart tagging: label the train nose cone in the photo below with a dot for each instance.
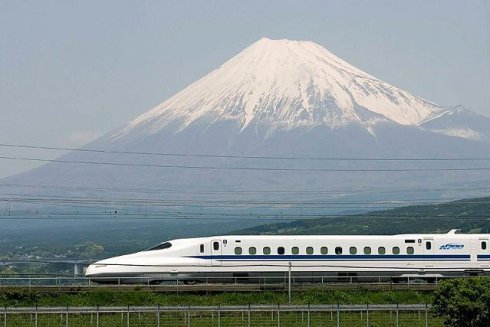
(94, 270)
(90, 271)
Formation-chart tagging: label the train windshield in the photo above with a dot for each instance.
(160, 246)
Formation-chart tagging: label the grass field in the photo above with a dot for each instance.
(11, 297)
(225, 319)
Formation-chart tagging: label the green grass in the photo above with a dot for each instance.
(19, 298)
(235, 319)
(469, 215)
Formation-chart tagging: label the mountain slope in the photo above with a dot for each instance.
(282, 99)
(458, 122)
(469, 215)
(286, 84)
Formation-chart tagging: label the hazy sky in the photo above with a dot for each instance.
(73, 70)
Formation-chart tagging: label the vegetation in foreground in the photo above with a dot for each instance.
(19, 298)
(464, 302)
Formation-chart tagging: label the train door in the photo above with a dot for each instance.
(428, 248)
(216, 251)
(482, 249)
(474, 252)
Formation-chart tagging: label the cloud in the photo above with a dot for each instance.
(79, 138)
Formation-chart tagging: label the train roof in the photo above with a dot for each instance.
(453, 233)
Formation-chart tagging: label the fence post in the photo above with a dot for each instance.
(397, 315)
(97, 317)
(278, 317)
(367, 314)
(248, 316)
(127, 317)
(35, 317)
(289, 283)
(188, 316)
(66, 320)
(338, 314)
(308, 316)
(158, 315)
(219, 316)
(426, 315)
(4, 316)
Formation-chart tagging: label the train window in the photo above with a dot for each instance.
(309, 250)
(410, 250)
(409, 241)
(161, 246)
(381, 250)
(338, 250)
(396, 250)
(267, 250)
(367, 250)
(324, 250)
(238, 250)
(252, 250)
(483, 245)
(280, 250)
(216, 246)
(295, 250)
(428, 245)
(353, 250)
(201, 248)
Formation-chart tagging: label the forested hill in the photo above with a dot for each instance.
(469, 215)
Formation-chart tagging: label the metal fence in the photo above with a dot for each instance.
(285, 279)
(236, 316)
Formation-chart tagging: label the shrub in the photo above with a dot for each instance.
(463, 302)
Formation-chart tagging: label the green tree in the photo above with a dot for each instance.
(87, 250)
(463, 302)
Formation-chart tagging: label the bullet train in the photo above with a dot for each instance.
(395, 257)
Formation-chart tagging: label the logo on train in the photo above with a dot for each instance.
(451, 246)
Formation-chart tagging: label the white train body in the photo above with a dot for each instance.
(321, 255)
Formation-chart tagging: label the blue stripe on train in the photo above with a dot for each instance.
(338, 257)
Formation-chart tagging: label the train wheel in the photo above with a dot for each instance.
(155, 282)
(398, 280)
(190, 282)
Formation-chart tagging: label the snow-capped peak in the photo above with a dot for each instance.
(286, 84)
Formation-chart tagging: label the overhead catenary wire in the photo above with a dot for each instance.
(278, 169)
(191, 201)
(235, 156)
(208, 191)
(231, 217)
(125, 203)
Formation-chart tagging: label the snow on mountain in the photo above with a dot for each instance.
(285, 84)
(458, 122)
(285, 99)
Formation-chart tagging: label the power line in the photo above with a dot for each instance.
(241, 191)
(170, 154)
(104, 163)
(231, 217)
(180, 201)
(58, 199)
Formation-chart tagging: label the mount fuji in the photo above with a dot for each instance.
(284, 120)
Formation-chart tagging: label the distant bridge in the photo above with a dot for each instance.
(75, 262)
